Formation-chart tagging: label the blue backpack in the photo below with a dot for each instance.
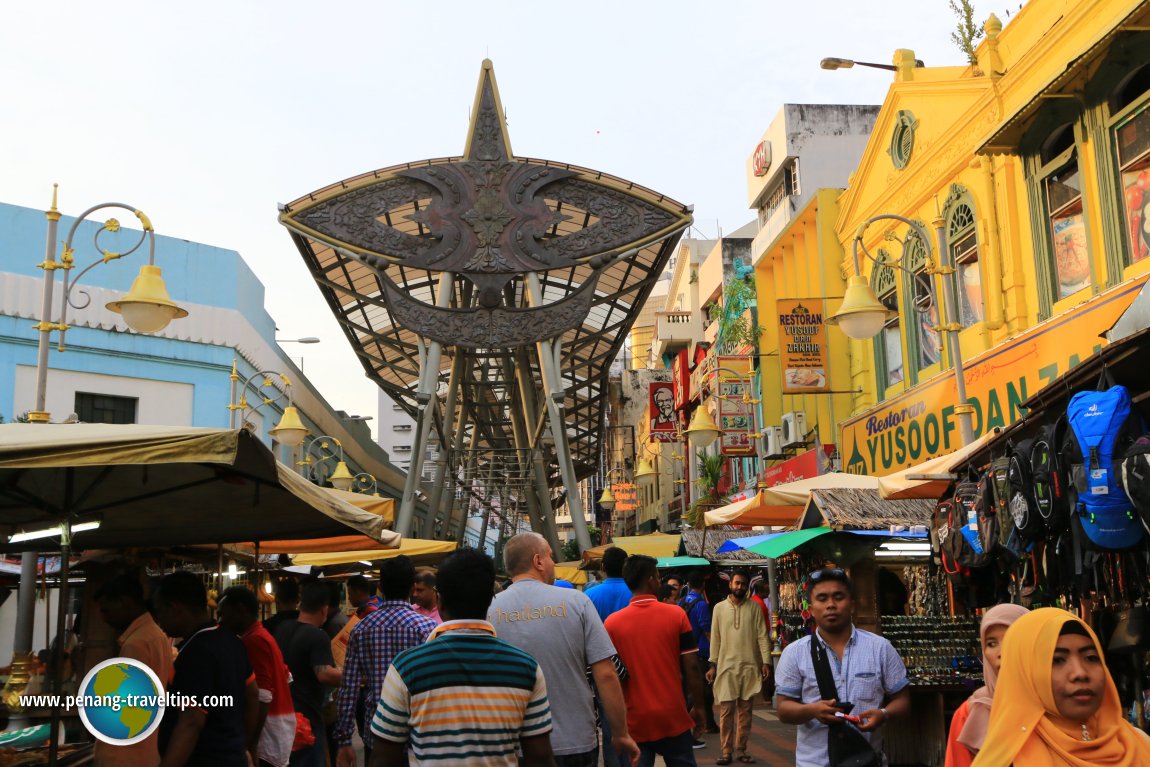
(1103, 425)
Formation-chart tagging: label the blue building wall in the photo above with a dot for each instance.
(194, 274)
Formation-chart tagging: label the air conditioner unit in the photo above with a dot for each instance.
(773, 442)
(794, 429)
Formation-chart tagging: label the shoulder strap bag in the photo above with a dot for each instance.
(847, 746)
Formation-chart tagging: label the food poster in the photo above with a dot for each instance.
(802, 344)
(738, 435)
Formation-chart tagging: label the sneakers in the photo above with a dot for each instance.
(699, 744)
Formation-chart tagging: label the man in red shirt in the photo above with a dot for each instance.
(655, 643)
(270, 744)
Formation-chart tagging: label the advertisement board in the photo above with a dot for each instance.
(661, 411)
(802, 344)
(736, 416)
(626, 497)
(920, 423)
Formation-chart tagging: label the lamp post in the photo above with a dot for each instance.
(146, 308)
(862, 316)
(363, 482)
(290, 429)
(340, 478)
(833, 63)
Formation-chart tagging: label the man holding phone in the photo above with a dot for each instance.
(868, 675)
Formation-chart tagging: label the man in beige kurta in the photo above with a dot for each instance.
(739, 654)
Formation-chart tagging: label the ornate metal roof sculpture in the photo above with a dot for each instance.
(493, 287)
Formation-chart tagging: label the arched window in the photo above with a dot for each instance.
(1062, 195)
(921, 303)
(1130, 104)
(962, 239)
(888, 343)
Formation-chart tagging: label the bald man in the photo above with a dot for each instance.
(562, 631)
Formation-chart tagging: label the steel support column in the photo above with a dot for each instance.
(531, 415)
(553, 392)
(445, 433)
(542, 521)
(428, 380)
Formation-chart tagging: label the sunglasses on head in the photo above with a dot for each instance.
(834, 573)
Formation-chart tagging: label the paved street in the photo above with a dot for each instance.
(772, 742)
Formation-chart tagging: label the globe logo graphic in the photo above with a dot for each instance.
(121, 701)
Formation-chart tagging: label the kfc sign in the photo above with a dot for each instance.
(761, 159)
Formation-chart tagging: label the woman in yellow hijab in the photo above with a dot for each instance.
(1056, 704)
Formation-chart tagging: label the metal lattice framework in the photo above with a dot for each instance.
(488, 294)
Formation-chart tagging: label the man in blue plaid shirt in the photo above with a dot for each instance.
(373, 644)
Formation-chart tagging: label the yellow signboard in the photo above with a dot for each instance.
(920, 423)
(802, 344)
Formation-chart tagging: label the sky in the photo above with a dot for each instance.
(207, 115)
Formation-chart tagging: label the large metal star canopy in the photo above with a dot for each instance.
(488, 295)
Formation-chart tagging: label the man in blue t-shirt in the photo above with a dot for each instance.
(699, 614)
(211, 662)
(612, 595)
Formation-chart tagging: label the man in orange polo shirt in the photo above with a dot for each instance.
(121, 603)
(655, 643)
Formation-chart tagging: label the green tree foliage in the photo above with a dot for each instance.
(710, 472)
(967, 33)
(735, 329)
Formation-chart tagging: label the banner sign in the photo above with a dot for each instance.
(738, 435)
(661, 411)
(626, 497)
(920, 423)
(812, 463)
(681, 379)
(802, 344)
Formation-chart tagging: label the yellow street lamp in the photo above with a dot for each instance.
(290, 430)
(147, 308)
(702, 431)
(329, 448)
(607, 499)
(862, 315)
(645, 475)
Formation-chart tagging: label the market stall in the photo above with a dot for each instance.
(65, 487)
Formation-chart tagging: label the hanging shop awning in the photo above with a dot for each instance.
(162, 486)
(421, 552)
(654, 545)
(782, 504)
(930, 479)
(782, 543)
(682, 562)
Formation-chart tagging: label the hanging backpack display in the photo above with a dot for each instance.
(947, 541)
(1048, 477)
(1000, 488)
(1136, 477)
(1103, 426)
(1021, 503)
(986, 513)
(969, 548)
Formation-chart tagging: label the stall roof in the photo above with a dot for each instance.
(162, 486)
(782, 504)
(717, 545)
(929, 479)
(418, 551)
(863, 509)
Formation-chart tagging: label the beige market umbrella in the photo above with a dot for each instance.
(162, 486)
(782, 504)
(929, 479)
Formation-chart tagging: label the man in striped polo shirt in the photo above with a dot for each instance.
(465, 697)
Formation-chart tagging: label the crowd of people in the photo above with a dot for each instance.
(446, 668)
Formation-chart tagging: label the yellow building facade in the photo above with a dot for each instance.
(1034, 163)
(802, 268)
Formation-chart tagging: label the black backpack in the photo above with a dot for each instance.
(1021, 504)
(945, 535)
(1135, 477)
(970, 548)
(986, 513)
(1048, 477)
